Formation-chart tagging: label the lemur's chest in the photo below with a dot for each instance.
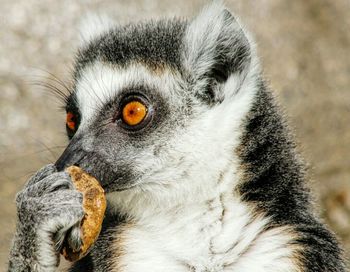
(219, 235)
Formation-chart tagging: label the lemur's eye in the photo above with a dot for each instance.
(134, 112)
(72, 121)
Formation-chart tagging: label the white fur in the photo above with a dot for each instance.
(202, 36)
(196, 239)
(93, 26)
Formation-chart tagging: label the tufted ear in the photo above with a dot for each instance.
(216, 47)
(93, 25)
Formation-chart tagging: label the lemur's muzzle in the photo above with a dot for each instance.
(72, 155)
(92, 163)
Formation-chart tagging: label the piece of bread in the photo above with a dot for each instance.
(94, 204)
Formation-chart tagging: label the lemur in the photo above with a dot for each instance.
(175, 120)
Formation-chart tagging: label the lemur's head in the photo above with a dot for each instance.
(159, 105)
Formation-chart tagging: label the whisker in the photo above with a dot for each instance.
(54, 85)
(55, 78)
(34, 153)
(48, 149)
(54, 90)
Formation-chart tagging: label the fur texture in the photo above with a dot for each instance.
(212, 182)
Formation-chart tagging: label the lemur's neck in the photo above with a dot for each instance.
(142, 204)
(211, 233)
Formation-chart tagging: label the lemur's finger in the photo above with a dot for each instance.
(51, 183)
(41, 174)
(74, 238)
(52, 233)
(70, 236)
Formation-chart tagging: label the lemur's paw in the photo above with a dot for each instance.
(49, 210)
(60, 213)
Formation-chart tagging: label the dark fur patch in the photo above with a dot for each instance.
(274, 183)
(154, 43)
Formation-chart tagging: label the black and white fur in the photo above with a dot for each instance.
(212, 184)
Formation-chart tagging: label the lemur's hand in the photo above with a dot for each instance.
(48, 210)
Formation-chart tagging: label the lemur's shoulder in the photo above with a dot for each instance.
(274, 181)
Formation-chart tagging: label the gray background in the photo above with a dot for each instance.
(304, 47)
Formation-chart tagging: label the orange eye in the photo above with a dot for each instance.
(134, 112)
(71, 121)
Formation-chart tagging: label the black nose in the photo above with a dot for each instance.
(72, 155)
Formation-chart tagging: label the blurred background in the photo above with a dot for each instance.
(305, 52)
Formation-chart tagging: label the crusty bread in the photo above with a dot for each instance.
(94, 204)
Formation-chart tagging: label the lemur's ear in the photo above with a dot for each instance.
(216, 47)
(93, 25)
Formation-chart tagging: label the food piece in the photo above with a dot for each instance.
(94, 204)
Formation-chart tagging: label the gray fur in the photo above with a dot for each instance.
(47, 208)
(155, 43)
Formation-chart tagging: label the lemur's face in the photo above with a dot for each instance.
(149, 99)
(122, 122)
